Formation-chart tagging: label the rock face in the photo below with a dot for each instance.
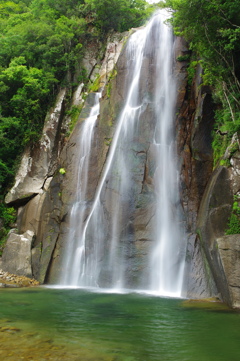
(213, 216)
(229, 258)
(16, 256)
(194, 124)
(37, 163)
(31, 184)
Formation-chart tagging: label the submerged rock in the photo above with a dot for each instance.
(211, 304)
(9, 329)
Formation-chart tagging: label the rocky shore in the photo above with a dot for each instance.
(11, 280)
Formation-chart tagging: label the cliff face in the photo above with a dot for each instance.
(207, 195)
(194, 124)
(44, 195)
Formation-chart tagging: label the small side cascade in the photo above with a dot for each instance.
(102, 246)
(74, 254)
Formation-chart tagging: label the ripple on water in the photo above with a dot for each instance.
(75, 324)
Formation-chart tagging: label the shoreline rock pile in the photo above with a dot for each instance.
(14, 281)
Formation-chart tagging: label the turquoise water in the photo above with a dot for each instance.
(121, 327)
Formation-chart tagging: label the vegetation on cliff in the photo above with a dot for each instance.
(212, 29)
(42, 44)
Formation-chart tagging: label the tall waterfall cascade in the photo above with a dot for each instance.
(103, 249)
(74, 260)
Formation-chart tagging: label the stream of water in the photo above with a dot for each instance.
(73, 267)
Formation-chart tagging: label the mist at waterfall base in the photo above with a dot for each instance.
(100, 250)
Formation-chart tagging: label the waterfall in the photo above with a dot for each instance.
(74, 255)
(102, 250)
(168, 254)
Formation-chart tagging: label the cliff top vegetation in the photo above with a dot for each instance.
(212, 29)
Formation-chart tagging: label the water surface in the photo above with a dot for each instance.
(77, 324)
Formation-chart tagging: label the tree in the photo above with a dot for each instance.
(118, 15)
(213, 31)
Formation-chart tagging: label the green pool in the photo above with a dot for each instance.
(74, 324)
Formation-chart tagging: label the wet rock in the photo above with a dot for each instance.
(211, 304)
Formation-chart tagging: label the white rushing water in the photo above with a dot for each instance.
(168, 255)
(74, 255)
(100, 247)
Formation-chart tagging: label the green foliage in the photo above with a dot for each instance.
(219, 144)
(62, 171)
(212, 29)
(224, 162)
(236, 208)
(94, 87)
(234, 221)
(42, 44)
(109, 84)
(7, 217)
(3, 239)
(182, 58)
(233, 225)
(8, 214)
(73, 113)
(192, 70)
(118, 14)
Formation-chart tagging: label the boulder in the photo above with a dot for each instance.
(16, 256)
